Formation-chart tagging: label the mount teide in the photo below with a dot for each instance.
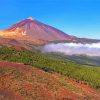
(37, 33)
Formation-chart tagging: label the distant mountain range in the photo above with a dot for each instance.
(31, 31)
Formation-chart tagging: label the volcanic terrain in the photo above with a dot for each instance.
(31, 31)
(23, 82)
(57, 78)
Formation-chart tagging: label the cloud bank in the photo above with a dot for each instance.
(74, 48)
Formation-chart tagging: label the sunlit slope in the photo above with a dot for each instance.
(23, 82)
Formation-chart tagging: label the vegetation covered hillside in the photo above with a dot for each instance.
(81, 73)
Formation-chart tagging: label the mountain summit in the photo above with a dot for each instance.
(30, 18)
(36, 32)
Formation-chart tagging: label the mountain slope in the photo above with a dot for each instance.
(83, 59)
(30, 29)
(88, 74)
(15, 84)
(38, 30)
(38, 33)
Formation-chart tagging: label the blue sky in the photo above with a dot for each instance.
(75, 17)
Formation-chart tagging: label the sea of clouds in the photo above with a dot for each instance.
(74, 48)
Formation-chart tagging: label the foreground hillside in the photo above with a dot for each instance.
(50, 63)
(57, 78)
(24, 82)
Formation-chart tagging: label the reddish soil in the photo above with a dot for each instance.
(23, 82)
(86, 90)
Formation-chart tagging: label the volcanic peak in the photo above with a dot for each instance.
(31, 18)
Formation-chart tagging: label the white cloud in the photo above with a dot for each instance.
(74, 48)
